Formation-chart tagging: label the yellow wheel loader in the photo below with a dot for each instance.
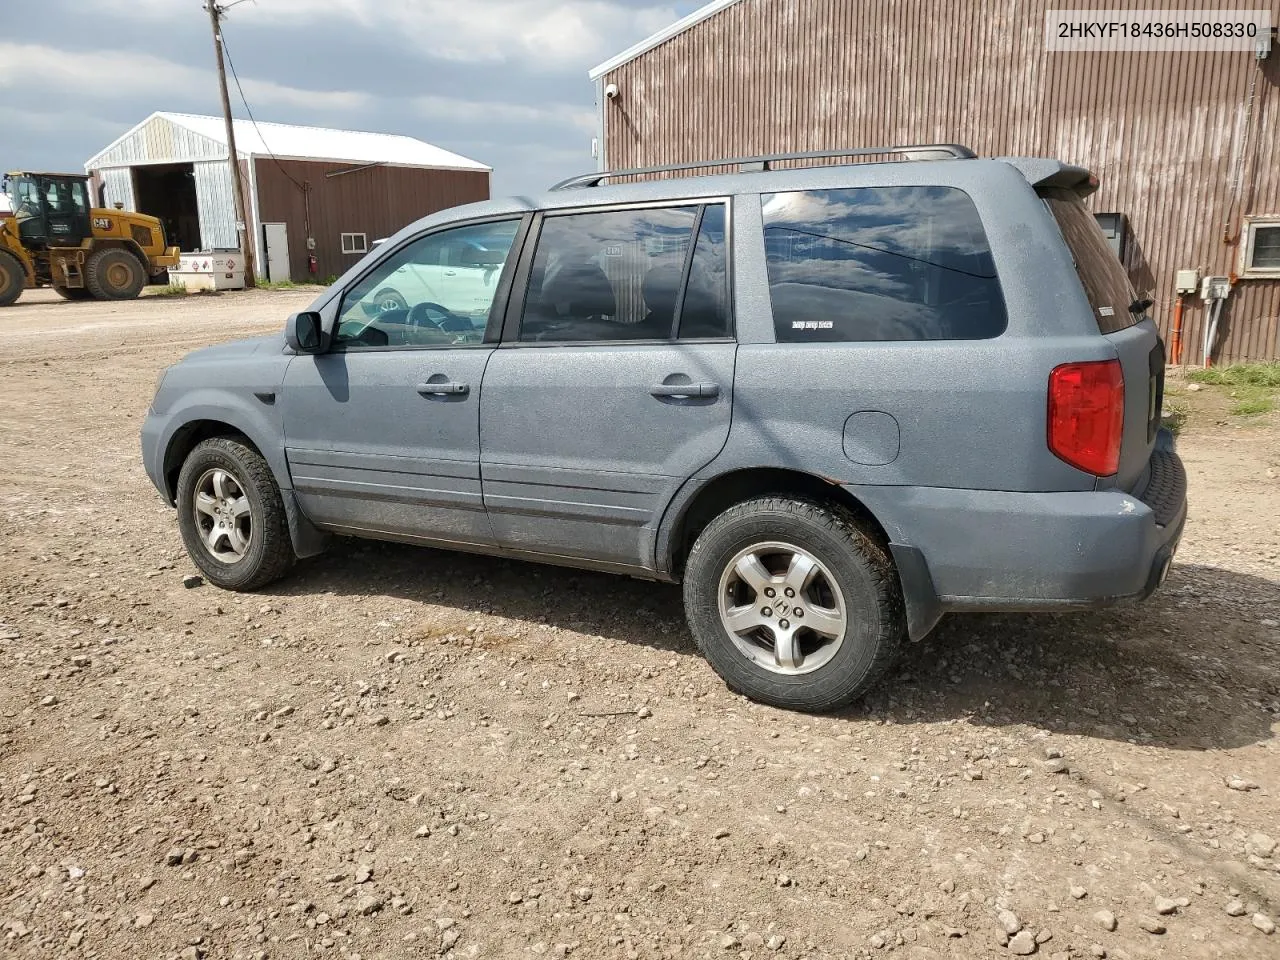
(51, 237)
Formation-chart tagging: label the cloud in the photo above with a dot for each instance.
(47, 122)
(503, 81)
(544, 35)
(85, 74)
(497, 112)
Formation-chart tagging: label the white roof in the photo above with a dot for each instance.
(661, 37)
(312, 143)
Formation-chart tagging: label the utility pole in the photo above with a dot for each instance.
(237, 181)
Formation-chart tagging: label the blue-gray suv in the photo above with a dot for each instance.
(835, 401)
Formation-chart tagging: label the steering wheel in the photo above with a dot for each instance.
(420, 316)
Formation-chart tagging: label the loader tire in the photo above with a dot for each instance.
(114, 274)
(12, 278)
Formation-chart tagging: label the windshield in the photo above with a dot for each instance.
(1105, 282)
(24, 195)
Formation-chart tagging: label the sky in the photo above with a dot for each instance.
(501, 81)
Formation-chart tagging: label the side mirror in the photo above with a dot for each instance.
(305, 332)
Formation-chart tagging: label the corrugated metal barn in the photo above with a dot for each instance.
(310, 190)
(1185, 143)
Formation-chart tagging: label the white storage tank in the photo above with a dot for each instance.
(217, 270)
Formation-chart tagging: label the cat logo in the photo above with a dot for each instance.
(102, 223)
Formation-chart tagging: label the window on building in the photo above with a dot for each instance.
(1261, 247)
(619, 275)
(880, 263)
(355, 243)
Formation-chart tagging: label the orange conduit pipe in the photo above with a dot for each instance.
(1175, 336)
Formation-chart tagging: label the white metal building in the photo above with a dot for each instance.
(174, 166)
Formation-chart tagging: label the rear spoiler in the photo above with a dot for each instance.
(1043, 172)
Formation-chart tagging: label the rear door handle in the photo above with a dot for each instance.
(685, 390)
(448, 389)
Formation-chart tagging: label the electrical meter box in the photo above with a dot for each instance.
(1215, 288)
(1186, 281)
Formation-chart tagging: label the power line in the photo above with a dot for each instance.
(247, 109)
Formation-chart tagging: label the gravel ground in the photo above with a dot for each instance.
(399, 752)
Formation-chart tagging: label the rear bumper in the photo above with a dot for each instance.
(997, 551)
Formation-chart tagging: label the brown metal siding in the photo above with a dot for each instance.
(375, 201)
(1165, 132)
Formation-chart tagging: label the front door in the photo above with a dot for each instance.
(382, 431)
(613, 386)
(66, 206)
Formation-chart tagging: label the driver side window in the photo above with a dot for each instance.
(436, 291)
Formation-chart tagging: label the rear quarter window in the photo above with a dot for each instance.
(880, 263)
(1101, 273)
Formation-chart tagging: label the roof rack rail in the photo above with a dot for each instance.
(923, 151)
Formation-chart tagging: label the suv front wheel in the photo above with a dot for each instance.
(793, 603)
(232, 517)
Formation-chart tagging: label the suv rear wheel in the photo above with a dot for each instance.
(793, 603)
(232, 517)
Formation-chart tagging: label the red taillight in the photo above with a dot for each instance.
(1086, 415)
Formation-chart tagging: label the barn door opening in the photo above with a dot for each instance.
(168, 191)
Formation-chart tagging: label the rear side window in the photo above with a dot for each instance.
(705, 311)
(651, 273)
(1102, 275)
(880, 263)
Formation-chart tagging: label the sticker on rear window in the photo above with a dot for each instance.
(812, 324)
(1106, 312)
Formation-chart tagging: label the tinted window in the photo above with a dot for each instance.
(435, 291)
(608, 276)
(705, 312)
(1105, 282)
(880, 263)
(80, 197)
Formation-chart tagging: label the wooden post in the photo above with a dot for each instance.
(237, 181)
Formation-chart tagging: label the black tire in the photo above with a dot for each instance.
(861, 568)
(12, 278)
(114, 274)
(269, 553)
(72, 293)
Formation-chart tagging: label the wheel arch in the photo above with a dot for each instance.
(699, 502)
(187, 437)
(129, 246)
(307, 539)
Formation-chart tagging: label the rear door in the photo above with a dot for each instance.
(614, 382)
(1131, 331)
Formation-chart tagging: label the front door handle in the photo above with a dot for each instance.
(685, 390)
(446, 389)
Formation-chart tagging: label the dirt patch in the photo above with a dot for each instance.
(400, 752)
